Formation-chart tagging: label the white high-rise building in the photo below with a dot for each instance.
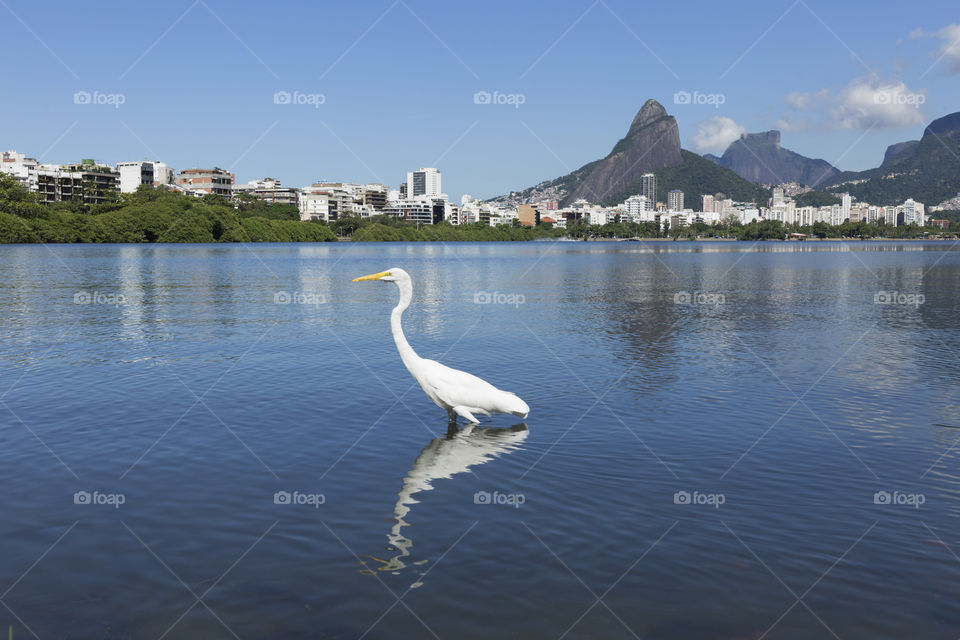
(675, 200)
(707, 204)
(890, 216)
(134, 174)
(845, 207)
(777, 196)
(913, 212)
(162, 174)
(836, 215)
(648, 187)
(636, 206)
(424, 182)
(21, 167)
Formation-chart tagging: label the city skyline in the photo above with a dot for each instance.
(510, 102)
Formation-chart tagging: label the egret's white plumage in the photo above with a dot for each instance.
(460, 393)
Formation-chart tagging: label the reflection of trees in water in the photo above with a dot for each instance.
(444, 457)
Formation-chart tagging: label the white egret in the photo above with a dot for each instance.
(460, 393)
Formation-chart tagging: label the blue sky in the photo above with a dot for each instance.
(398, 78)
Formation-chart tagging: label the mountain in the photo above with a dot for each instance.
(927, 170)
(652, 144)
(897, 153)
(696, 176)
(758, 157)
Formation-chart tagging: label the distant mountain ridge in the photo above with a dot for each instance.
(758, 157)
(927, 170)
(651, 145)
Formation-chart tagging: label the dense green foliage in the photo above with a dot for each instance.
(816, 199)
(150, 215)
(696, 176)
(383, 228)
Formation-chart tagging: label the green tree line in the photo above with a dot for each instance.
(149, 215)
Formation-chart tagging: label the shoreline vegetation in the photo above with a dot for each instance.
(158, 216)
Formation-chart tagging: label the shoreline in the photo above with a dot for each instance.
(539, 241)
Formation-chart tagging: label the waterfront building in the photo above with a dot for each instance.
(20, 167)
(84, 181)
(319, 205)
(913, 212)
(134, 174)
(707, 206)
(216, 181)
(419, 211)
(635, 207)
(675, 200)
(648, 187)
(528, 215)
(423, 182)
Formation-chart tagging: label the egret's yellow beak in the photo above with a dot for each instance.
(372, 276)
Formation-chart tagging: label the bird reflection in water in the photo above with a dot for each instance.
(444, 457)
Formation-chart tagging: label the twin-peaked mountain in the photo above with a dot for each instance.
(651, 145)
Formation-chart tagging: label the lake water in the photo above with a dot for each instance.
(726, 440)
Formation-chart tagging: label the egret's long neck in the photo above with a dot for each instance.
(407, 354)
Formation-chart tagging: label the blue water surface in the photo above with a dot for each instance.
(726, 440)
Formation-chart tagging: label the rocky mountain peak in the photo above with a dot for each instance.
(651, 111)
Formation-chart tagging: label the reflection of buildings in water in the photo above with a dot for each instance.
(445, 457)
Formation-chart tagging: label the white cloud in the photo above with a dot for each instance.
(863, 104)
(949, 51)
(716, 134)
